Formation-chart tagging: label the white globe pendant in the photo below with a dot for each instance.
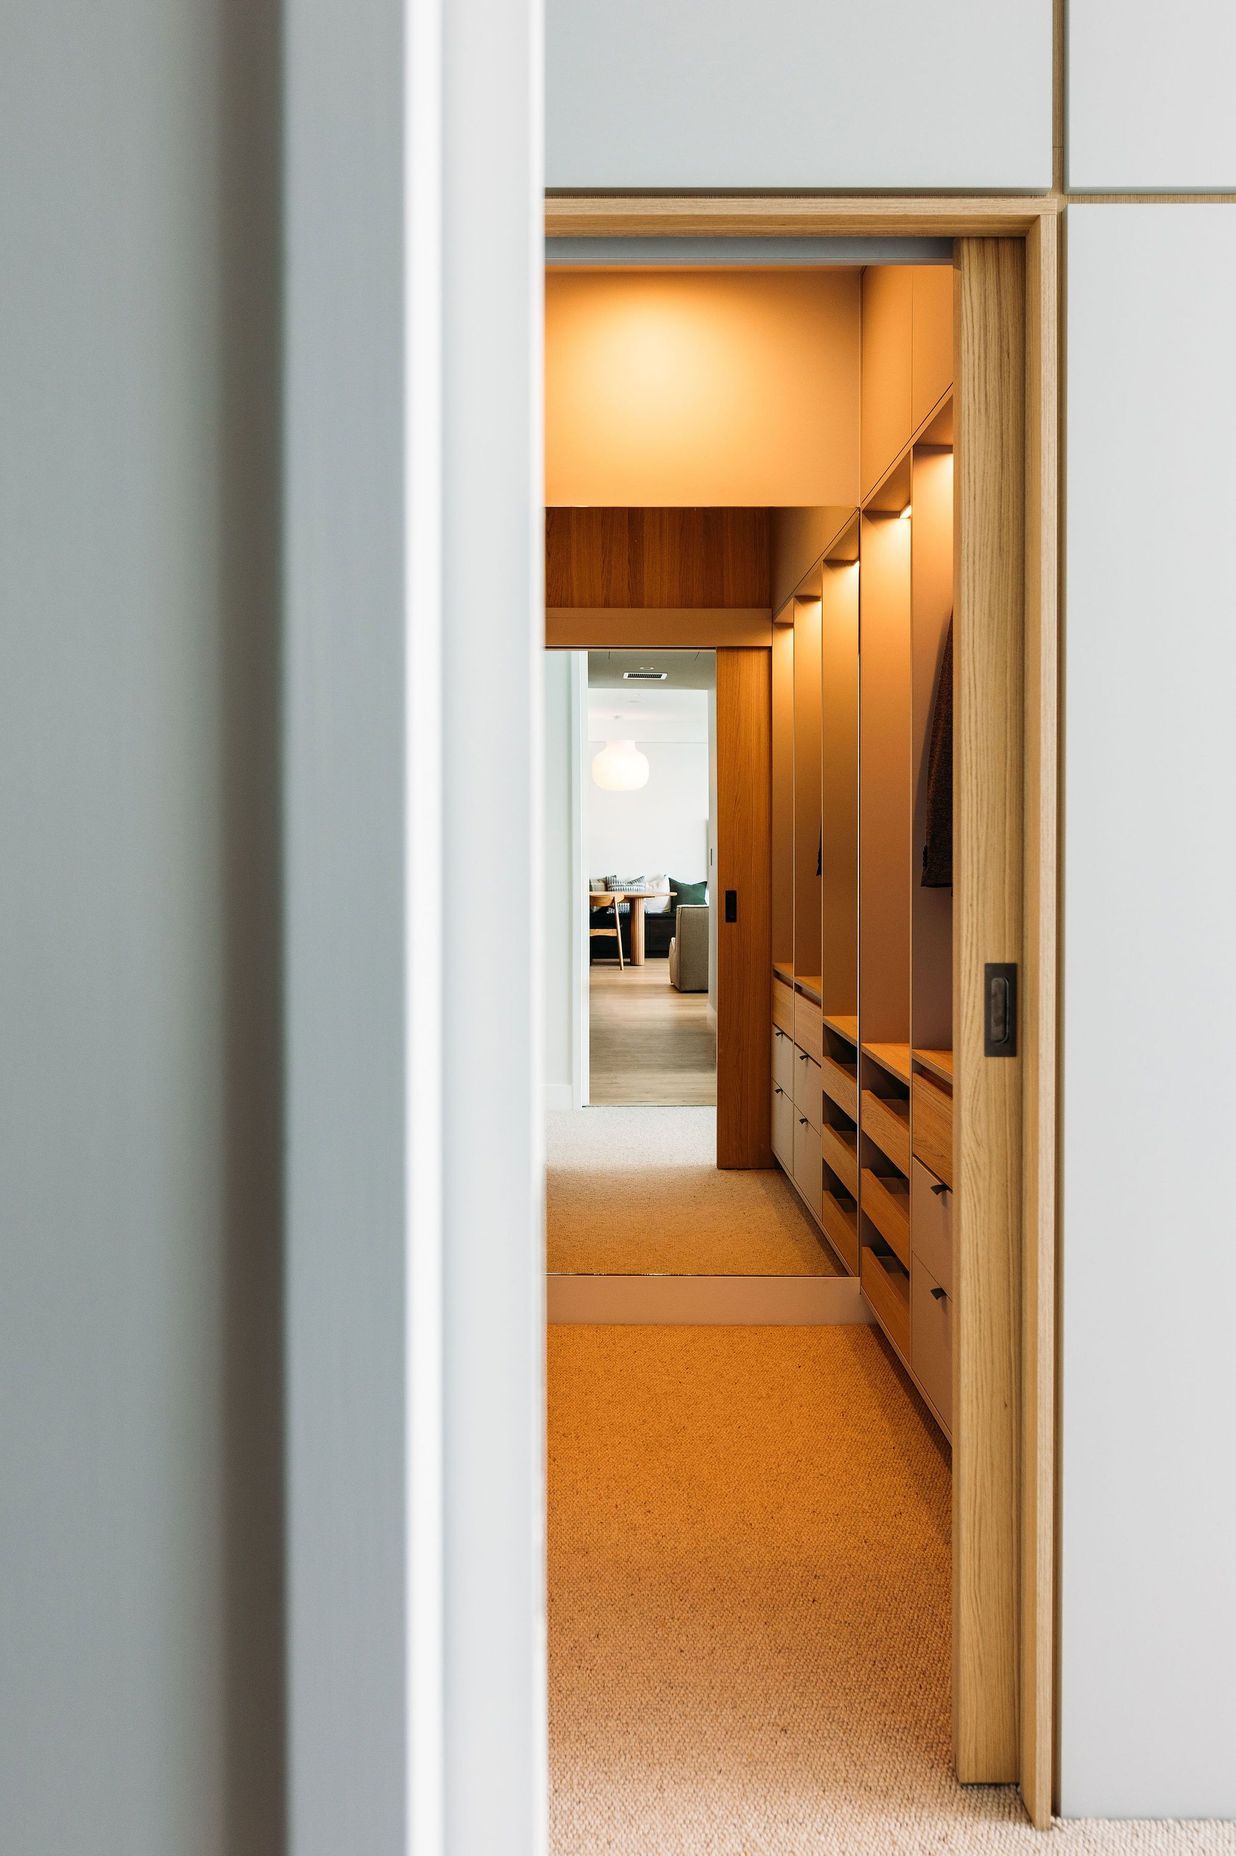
(620, 767)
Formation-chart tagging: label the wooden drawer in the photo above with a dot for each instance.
(839, 1146)
(887, 1288)
(808, 1094)
(840, 1085)
(840, 1220)
(783, 1127)
(931, 1340)
(931, 1223)
(808, 1175)
(887, 1120)
(783, 1059)
(808, 1027)
(931, 1123)
(783, 1006)
(886, 1201)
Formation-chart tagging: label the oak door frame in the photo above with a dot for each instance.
(1006, 598)
(743, 687)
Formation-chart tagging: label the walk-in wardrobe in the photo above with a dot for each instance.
(861, 844)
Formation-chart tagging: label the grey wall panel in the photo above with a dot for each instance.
(1148, 1676)
(799, 93)
(1150, 96)
(140, 1534)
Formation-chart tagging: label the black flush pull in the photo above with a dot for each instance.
(938, 1294)
(731, 905)
(939, 1188)
(1000, 1009)
(802, 1121)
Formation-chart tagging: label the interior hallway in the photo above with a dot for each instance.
(749, 1608)
(637, 1191)
(649, 1042)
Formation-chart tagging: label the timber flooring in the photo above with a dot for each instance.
(649, 1043)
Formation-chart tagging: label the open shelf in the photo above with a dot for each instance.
(839, 1217)
(811, 985)
(886, 1201)
(844, 1027)
(783, 970)
(895, 1058)
(887, 1287)
(840, 1084)
(839, 1147)
(886, 1121)
(937, 1062)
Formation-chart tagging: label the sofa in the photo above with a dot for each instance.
(688, 951)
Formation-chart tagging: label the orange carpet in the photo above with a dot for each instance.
(749, 1609)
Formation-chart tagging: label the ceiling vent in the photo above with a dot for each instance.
(644, 676)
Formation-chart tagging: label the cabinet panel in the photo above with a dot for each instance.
(888, 339)
(799, 93)
(931, 368)
(808, 1170)
(1150, 96)
(1148, 1471)
(783, 1120)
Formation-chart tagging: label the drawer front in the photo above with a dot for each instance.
(888, 1293)
(783, 1006)
(808, 1176)
(931, 1340)
(808, 1027)
(783, 1127)
(840, 1151)
(889, 1130)
(808, 1092)
(931, 1222)
(931, 1120)
(783, 1059)
(840, 1085)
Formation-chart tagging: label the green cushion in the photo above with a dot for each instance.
(688, 892)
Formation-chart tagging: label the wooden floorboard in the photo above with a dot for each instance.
(649, 1042)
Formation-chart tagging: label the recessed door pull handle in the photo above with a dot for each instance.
(1000, 1009)
(938, 1294)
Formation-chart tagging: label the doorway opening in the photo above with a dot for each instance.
(763, 1516)
(646, 801)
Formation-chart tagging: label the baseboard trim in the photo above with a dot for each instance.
(559, 1095)
(703, 1301)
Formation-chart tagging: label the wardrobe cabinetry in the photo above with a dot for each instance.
(861, 845)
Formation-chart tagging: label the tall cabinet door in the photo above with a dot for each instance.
(1148, 1706)
(743, 904)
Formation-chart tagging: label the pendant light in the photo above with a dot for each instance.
(620, 767)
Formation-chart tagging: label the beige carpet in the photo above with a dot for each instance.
(749, 1612)
(636, 1191)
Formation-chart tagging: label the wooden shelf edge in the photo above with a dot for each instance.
(895, 1058)
(937, 1062)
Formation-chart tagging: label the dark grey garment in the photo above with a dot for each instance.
(938, 835)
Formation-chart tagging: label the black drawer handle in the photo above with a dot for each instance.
(938, 1294)
(802, 1121)
(938, 1188)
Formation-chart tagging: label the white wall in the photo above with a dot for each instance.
(1151, 107)
(661, 829)
(799, 93)
(140, 1538)
(559, 961)
(1148, 1601)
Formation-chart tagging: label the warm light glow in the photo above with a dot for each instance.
(620, 767)
(905, 514)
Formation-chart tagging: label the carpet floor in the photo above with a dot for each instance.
(749, 1609)
(636, 1191)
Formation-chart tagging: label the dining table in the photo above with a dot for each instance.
(637, 898)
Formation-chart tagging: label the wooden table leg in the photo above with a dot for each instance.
(636, 904)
